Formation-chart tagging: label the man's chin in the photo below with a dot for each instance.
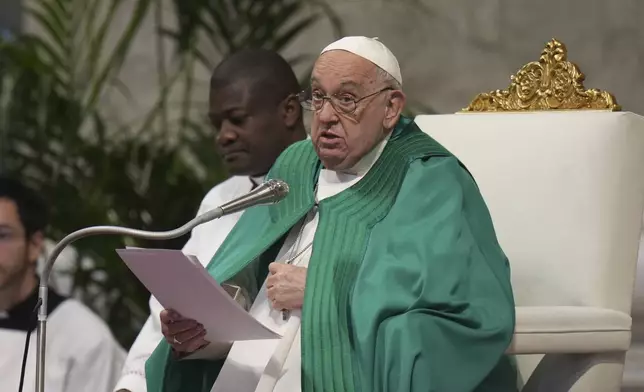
(238, 171)
(334, 162)
(246, 170)
(236, 164)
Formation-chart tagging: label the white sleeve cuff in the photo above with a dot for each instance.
(133, 382)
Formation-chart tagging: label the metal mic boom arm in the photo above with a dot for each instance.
(269, 192)
(97, 230)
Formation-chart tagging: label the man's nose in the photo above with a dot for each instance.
(226, 135)
(327, 113)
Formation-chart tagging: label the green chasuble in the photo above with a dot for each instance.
(407, 287)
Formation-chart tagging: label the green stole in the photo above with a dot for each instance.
(345, 222)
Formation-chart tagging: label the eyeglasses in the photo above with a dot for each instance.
(341, 102)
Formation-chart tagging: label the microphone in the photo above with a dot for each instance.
(270, 192)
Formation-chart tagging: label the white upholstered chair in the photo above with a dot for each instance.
(565, 189)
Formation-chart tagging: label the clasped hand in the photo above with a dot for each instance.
(284, 288)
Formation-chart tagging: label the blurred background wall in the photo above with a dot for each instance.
(450, 50)
(141, 104)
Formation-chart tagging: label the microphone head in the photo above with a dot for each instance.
(278, 188)
(269, 192)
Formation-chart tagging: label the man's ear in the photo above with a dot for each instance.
(291, 110)
(35, 247)
(394, 108)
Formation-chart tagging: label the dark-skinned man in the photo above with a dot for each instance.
(255, 113)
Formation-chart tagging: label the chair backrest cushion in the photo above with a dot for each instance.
(566, 194)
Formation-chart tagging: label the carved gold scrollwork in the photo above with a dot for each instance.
(552, 83)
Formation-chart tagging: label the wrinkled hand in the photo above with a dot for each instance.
(285, 286)
(184, 335)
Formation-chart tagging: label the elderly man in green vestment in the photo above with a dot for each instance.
(380, 270)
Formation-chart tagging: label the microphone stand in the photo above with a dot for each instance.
(269, 192)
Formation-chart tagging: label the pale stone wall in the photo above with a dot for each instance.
(450, 50)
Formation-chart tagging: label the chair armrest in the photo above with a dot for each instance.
(569, 329)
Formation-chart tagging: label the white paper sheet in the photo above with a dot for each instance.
(181, 283)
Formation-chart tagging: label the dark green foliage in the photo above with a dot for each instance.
(94, 170)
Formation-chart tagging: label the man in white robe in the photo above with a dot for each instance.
(82, 354)
(256, 115)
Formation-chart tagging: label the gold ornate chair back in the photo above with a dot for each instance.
(552, 83)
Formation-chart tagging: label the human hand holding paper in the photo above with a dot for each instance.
(181, 283)
(184, 335)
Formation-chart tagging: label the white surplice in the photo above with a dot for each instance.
(275, 365)
(81, 352)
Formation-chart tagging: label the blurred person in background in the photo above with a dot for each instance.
(82, 354)
(256, 115)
